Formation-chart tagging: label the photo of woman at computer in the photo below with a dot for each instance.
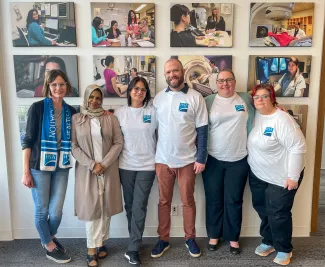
(201, 25)
(43, 24)
(201, 72)
(30, 72)
(289, 75)
(114, 73)
(123, 24)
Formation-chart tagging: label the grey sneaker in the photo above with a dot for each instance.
(59, 245)
(58, 256)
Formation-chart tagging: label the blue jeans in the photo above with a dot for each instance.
(48, 195)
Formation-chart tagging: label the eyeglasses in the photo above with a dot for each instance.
(60, 85)
(263, 97)
(228, 80)
(138, 89)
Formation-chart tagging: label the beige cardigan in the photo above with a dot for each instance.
(87, 205)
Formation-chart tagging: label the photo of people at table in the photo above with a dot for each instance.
(30, 71)
(289, 75)
(201, 25)
(281, 24)
(201, 72)
(43, 24)
(114, 73)
(123, 24)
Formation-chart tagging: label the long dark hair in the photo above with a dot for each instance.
(130, 19)
(96, 22)
(131, 86)
(177, 11)
(30, 19)
(107, 61)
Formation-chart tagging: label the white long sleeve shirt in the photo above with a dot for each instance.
(276, 148)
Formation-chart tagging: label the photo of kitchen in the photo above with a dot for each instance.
(123, 24)
(201, 25)
(201, 72)
(43, 24)
(114, 73)
(284, 24)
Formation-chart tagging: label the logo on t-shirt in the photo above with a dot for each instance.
(239, 108)
(268, 131)
(50, 159)
(183, 107)
(147, 118)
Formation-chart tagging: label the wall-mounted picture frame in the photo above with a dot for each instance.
(123, 24)
(281, 24)
(299, 113)
(114, 73)
(289, 75)
(201, 72)
(43, 24)
(201, 25)
(30, 71)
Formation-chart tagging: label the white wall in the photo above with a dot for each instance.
(21, 202)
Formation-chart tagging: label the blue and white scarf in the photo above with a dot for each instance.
(49, 149)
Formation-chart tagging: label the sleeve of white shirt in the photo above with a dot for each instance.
(300, 84)
(295, 143)
(201, 118)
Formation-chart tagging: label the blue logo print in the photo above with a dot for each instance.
(50, 160)
(66, 159)
(183, 107)
(268, 131)
(239, 108)
(147, 118)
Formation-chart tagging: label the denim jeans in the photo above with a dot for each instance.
(48, 195)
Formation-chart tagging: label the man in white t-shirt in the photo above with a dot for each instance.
(182, 119)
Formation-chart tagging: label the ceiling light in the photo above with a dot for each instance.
(140, 7)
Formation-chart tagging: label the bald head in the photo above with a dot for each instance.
(174, 74)
(174, 60)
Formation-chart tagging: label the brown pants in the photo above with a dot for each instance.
(186, 183)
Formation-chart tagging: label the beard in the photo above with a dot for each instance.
(175, 85)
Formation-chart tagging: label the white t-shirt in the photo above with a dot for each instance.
(276, 148)
(178, 116)
(228, 128)
(138, 126)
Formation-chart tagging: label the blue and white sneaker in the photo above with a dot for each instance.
(264, 250)
(160, 248)
(283, 258)
(193, 248)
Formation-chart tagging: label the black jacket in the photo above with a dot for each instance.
(33, 135)
(110, 34)
(181, 39)
(218, 26)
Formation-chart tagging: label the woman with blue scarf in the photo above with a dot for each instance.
(47, 160)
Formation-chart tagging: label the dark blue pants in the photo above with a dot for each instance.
(224, 184)
(273, 204)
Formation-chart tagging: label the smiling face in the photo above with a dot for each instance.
(95, 100)
(115, 26)
(262, 101)
(226, 84)
(58, 87)
(292, 68)
(174, 74)
(138, 92)
(35, 15)
(51, 66)
(215, 12)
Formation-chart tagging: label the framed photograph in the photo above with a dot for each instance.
(201, 25)
(123, 24)
(289, 75)
(30, 71)
(114, 73)
(43, 24)
(284, 24)
(299, 113)
(201, 72)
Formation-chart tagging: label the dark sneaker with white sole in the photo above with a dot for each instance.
(58, 256)
(59, 245)
(133, 257)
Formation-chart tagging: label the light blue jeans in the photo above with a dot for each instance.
(48, 195)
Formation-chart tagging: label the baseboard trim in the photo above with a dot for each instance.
(151, 231)
(6, 235)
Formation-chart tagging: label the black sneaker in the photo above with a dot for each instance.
(59, 245)
(133, 257)
(58, 256)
